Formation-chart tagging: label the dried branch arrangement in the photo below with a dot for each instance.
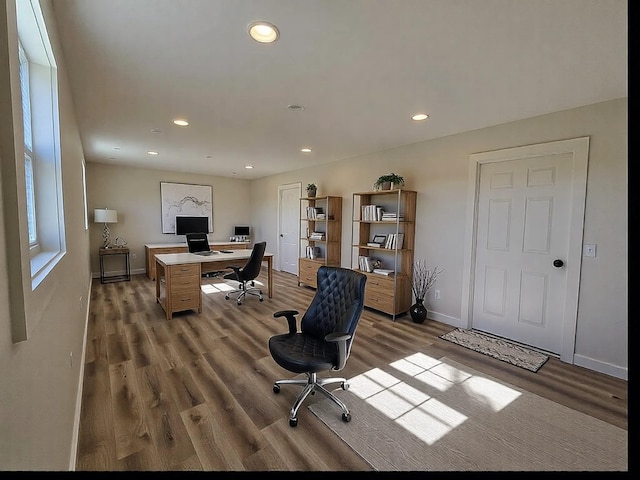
(423, 278)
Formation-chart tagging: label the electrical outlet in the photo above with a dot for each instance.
(436, 294)
(134, 255)
(80, 301)
(589, 250)
(71, 359)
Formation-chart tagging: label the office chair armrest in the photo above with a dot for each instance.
(291, 319)
(341, 339)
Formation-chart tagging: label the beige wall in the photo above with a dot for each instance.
(40, 377)
(135, 194)
(438, 170)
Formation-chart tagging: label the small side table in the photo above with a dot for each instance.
(108, 252)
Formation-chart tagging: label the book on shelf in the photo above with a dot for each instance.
(372, 213)
(374, 244)
(314, 212)
(368, 264)
(394, 241)
(316, 236)
(383, 271)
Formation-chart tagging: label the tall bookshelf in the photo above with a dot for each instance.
(381, 214)
(323, 216)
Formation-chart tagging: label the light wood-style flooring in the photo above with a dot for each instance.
(195, 392)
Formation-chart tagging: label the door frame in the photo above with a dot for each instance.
(579, 149)
(289, 186)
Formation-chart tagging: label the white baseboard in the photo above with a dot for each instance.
(579, 360)
(602, 367)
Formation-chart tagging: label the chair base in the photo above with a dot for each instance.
(243, 291)
(311, 385)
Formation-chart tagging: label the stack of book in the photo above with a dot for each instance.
(392, 216)
(316, 236)
(383, 271)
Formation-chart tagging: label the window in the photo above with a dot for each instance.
(42, 161)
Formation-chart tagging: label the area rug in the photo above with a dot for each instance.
(426, 414)
(497, 348)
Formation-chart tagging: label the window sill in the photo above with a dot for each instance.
(41, 265)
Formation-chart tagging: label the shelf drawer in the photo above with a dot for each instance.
(382, 302)
(308, 272)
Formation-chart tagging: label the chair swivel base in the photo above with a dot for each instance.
(243, 292)
(312, 385)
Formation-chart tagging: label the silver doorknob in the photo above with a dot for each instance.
(558, 263)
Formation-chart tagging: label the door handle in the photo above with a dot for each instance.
(558, 263)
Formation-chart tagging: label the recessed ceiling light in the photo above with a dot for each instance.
(150, 152)
(181, 122)
(116, 148)
(305, 150)
(156, 130)
(295, 108)
(263, 32)
(420, 116)
(248, 167)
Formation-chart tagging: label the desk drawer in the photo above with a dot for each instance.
(185, 271)
(187, 300)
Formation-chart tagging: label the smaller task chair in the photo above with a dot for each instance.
(246, 274)
(326, 334)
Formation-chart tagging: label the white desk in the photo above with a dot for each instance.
(183, 272)
(152, 249)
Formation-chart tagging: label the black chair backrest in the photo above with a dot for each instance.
(198, 242)
(252, 268)
(337, 304)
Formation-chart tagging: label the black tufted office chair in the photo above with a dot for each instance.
(247, 274)
(324, 342)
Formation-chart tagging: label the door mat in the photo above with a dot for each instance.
(497, 348)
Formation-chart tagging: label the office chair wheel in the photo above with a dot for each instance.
(276, 389)
(346, 417)
(293, 422)
(226, 297)
(344, 386)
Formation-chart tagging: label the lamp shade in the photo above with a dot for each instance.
(104, 215)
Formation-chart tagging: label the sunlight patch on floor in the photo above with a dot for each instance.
(426, 417)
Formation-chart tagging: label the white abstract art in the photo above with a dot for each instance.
(185, 199)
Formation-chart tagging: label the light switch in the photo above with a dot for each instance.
(589, 250)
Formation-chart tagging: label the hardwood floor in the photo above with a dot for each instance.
(195, 392)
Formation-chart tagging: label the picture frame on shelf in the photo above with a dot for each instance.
(379, 239)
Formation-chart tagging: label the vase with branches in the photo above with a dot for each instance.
(423, 279)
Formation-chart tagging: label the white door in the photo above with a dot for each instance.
(528, 243)
(289, 224)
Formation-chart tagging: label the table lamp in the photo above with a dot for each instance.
(106, 216)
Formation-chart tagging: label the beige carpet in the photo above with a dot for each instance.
(422, 413)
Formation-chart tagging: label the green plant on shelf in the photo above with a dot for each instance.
(385, 182)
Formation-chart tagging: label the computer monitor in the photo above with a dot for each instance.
(241, 231)
(185, 224)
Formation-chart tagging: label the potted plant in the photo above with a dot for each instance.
(311, 190)
(423, 279)
(389, 181)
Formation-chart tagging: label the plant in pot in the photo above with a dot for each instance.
(311, 190)
(388, 182)
(423, 279)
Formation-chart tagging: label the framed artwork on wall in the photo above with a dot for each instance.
(185, 199)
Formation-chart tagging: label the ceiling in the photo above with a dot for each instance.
(360, 68)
